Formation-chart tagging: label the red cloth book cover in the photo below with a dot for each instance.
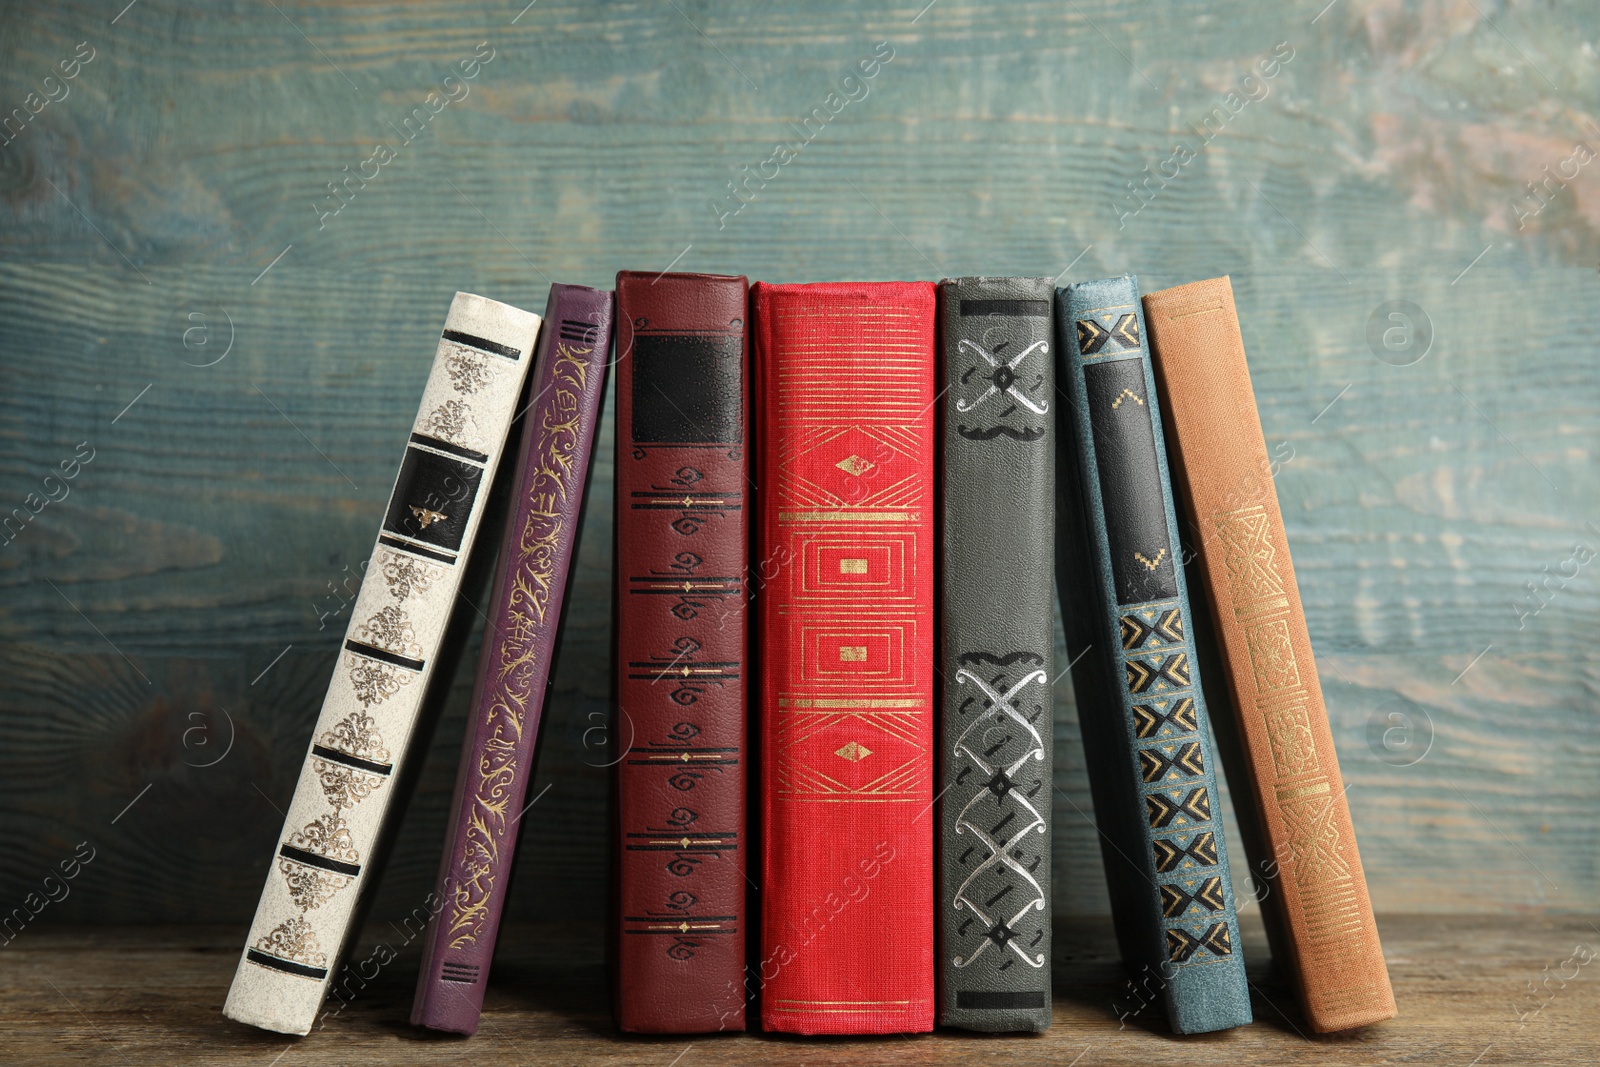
(844, 570)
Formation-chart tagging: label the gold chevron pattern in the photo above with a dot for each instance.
(1178, 809)
(1172, 855)
(1171, 761)
(1176, 898)
(1179, 714)
(1182, 944)
(1154, 674)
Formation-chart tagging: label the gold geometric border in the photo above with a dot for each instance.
(816, 640)
(796, 779)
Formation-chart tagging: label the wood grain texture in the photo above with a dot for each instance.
(143, 616)
(152, 995)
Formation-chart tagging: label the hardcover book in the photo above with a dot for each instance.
(1298, 831)
(1146, 737)
(516, 661)
(322, 868)
(846, 549)
(682, 551)
(997, 585)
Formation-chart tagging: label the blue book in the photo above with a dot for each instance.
(1146, 736)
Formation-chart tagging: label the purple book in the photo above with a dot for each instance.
(500, 748)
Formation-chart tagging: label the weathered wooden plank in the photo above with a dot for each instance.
(153, 996)
(225, 507)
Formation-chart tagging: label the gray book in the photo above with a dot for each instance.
(998, 532)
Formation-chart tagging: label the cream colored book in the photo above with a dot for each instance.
(320, 872)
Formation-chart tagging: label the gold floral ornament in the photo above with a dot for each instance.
(426, 517)
(374, 682)
(345, 787)
(473, 881)
(533, 582)
(468, 373)
(343, 783)
(452, 421)
(309, 887)
(312, 883)
(390, 629)
(356, 735)
(328, 836)
(293, 940)
(407, 574)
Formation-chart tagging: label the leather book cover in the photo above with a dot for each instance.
(1315, 892)
(362, 749)
(515, 663)
(1147, 740)
(682, 552)
(997, 524)
(846, 554)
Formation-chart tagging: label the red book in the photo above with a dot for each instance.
(845, 571)
(682, 548)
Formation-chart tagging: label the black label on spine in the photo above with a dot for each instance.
(1130, 481)
(1000, 1000)
(687, 390)
(1027, 309)
(432, 499)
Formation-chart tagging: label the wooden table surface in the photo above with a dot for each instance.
(168, 622)
(1472, 990)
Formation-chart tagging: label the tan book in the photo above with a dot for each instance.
(1301, 841)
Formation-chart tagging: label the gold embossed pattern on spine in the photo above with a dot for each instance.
(346, 788)
(533, 577)
(1307, 858)
(321, 860)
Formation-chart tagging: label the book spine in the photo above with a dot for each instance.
(363, 740)
(1151, 759)
(847, 542)
(1315, 891)
(996, 637)
(500, 750)
(682, 551)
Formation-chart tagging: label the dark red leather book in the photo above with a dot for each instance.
(846, 381)
(514, 666)
(682, 548)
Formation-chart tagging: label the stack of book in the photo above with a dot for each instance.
(843, 512)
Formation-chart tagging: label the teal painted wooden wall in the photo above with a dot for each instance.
(185, 579)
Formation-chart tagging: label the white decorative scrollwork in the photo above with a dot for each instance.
(1001, 932)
